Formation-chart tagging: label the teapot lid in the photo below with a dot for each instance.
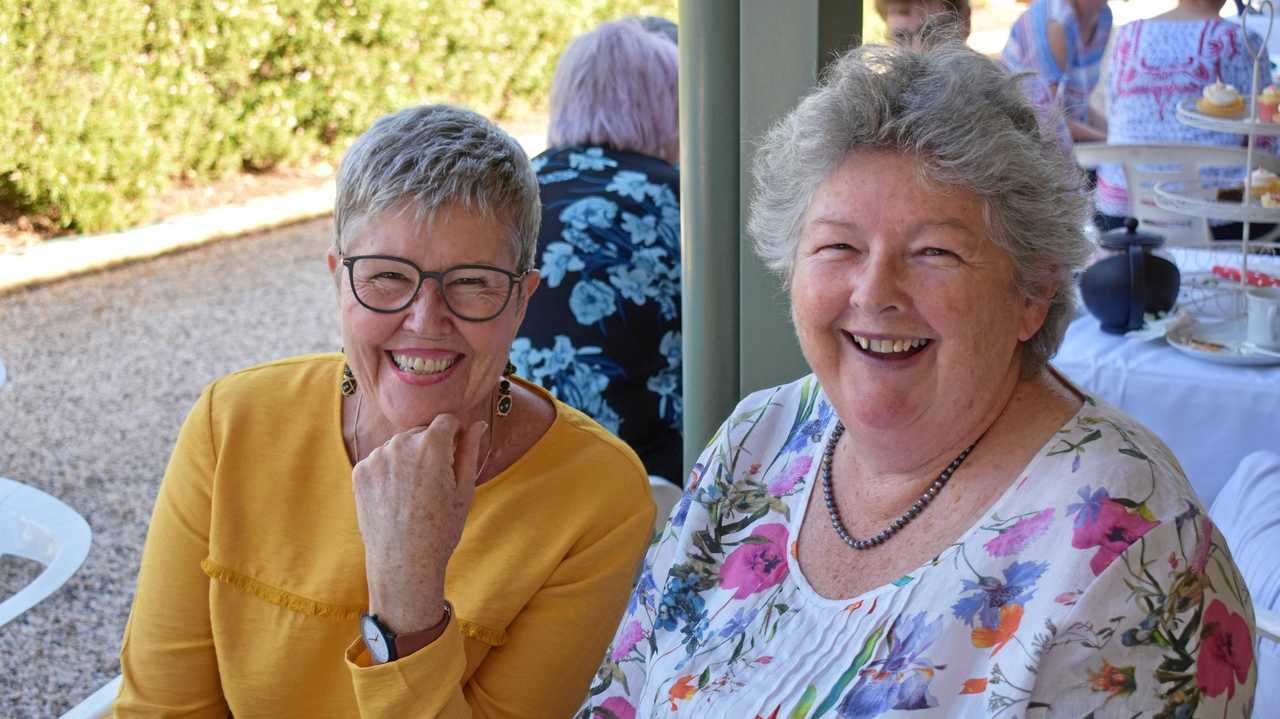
(1122, 237)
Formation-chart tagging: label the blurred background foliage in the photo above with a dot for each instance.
(106, 104)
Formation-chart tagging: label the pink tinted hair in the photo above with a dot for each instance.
(617, 86)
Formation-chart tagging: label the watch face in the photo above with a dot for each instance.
(374, 639)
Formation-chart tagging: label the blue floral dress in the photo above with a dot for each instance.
(603, 331)
(1095, 583)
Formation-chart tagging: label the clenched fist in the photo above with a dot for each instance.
(412, 498)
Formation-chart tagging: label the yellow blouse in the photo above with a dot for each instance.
(252, 579)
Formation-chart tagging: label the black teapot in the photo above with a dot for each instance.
(1132, 280)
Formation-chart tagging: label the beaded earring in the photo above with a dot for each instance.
(504, 390)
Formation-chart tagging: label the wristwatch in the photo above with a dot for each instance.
(385, 645)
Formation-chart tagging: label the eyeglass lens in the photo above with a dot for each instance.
(389, 285)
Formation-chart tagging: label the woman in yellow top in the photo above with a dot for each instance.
(407, 530)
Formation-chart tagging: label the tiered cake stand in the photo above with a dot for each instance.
(1225, 341)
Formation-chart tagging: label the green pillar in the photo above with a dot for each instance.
(743, 64)
(708, 216)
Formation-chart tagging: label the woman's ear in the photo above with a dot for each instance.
(1035, 308)
(331, 257)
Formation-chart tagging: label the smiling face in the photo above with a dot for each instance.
(424, 361)
(905, 309)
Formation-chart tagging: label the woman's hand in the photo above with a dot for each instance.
(412, 498)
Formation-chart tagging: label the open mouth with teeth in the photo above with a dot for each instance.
(901, 348)
(422, 366)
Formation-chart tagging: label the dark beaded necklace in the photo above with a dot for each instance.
(901, 521)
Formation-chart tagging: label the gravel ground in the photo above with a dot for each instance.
(102, 369)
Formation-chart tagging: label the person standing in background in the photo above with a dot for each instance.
(603, 333)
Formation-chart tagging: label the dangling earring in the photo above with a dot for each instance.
(504, 391)
(348, 385)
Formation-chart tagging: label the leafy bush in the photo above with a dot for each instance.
(108, 103)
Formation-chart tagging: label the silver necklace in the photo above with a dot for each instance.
(904, 519)
(355, 435)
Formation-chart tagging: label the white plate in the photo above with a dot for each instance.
(1217, 342)
(1242, 125)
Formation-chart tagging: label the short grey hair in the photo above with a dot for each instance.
(436, 155)
(966, 122)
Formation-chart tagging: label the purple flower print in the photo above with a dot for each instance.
(795, 471)
(992, 594)
(810, 431)
(1015, 538)
(900, 680)
(631, 636)
(758, 563)
(740, 621)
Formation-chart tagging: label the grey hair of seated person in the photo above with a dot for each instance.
(661, 26)
(966, 122)
(424, 158)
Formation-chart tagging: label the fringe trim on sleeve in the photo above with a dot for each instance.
(303, 605)
(274, 595)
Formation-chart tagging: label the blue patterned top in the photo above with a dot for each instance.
(603, 330)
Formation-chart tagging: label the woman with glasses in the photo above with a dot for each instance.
(404, 529)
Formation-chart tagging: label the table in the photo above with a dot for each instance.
(1210, 415)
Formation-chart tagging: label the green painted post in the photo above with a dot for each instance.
(709, 216)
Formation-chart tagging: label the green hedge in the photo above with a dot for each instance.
(104, 104)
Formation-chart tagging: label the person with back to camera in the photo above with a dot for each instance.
(935, 523)
(916, 22)
(1185, 54)
(403, 529)
(1063, 42)
(603, 333)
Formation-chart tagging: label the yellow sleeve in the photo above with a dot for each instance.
(552, 650)
(168, 658)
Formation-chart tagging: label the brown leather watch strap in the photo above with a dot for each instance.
(410, 642)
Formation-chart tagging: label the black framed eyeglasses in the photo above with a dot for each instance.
(387, 284)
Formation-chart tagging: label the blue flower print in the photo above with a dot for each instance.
(590, 212)
(681, 603)
(810, 431)
(592, 160)
(669, 227)
(901, 680)
(629, 183)
(557, 260)
(632, 282)
(643, 230)
(643, 593)
(592, 301)
(670, 348)
(521, 356)
(740, 621)
(557, 176)
(1087, 510)
(991, 594)
(538, 163)
(579, 239)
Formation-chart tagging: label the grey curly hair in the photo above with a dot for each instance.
(435, 155)
(966, 122)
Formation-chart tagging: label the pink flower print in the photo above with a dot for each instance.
(620, 707)
(1226, 651)
(1108, 525)
(758, 563)
(1015, 538)
(1201, 556)
(794, 472)
(631, 636)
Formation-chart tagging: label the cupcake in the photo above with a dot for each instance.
(1221, 100)
(1263, 182)
(1267, 101)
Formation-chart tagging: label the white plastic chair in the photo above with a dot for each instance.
(39, 527)
(665, 494)
(97, 704)
(1145, 165)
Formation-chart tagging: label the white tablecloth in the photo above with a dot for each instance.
(1210, 415)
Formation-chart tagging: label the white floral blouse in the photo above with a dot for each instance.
(1095, 583)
